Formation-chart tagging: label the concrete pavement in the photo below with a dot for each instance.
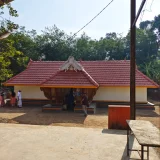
(35, 142)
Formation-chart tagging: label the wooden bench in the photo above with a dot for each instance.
(146, 134)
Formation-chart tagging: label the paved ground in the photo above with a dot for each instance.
(30, 142)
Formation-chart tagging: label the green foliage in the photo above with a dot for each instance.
(7, 25)
(152, 70)
(9, 55)
(153, 26)
(25, 42)
(55, 44)
(151, 46)
(11, 59)
(146, 46)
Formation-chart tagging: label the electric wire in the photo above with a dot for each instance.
(92, 19)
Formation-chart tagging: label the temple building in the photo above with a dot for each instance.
(103, 81)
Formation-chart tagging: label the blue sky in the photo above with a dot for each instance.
(71, 15)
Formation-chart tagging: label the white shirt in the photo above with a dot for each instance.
(19, 95)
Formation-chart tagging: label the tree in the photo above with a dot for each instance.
(25, 42)
(152, 70)
(8, 54)
(153, 26)
(7, 26)
(156, 27)
(54, 44)
(84, 48)
(146, 46)
(3, 2)
(115, 46)
(151, 67)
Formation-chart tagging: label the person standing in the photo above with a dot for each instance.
(70, 101)
(13, 99)
(2, 100)
(84, 103)
(19, 99)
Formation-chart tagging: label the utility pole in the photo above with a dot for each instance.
(132, 61)
(134, 19)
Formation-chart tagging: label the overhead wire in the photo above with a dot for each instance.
(92, 19)
(142, 14)
(150, 10)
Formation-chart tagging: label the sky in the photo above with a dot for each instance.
(71, 15)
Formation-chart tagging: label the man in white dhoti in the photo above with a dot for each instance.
(19, 99)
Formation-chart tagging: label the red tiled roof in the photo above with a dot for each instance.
(70, 78)
(115, 73)
(104, 73)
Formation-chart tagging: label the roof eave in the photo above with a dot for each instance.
(129, 86)
(57, 86)
(13, 84)
(77, 86)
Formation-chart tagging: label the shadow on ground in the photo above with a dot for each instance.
(147, 113)
(34, 115)
(113, 131)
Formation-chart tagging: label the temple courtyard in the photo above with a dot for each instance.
(30, 134)
(31, 142)
(34, 115)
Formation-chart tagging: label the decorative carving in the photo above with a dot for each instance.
(91, 93)
(71, 64)
(47, 92)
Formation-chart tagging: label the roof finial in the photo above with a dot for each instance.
(70, 64)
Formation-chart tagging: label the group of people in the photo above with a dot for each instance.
(13, 99)
(69, 101)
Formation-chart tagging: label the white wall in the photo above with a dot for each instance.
(102, 94)
(30, 92)
(120, 94)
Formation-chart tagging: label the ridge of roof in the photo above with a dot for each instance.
(30, 62)
(90, 78)
(84, 61)
(154, 83)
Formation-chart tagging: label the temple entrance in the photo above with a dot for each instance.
(69, 98)
(65, 88)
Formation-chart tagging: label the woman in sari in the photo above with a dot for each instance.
(13, 99)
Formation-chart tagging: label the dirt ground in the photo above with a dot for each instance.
(34, 115)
